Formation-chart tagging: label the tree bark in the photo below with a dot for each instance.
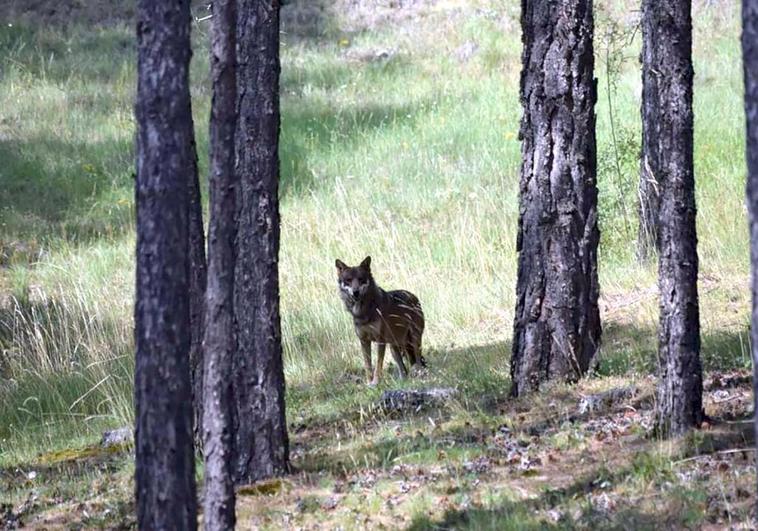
(218, 502)
(198, 284)
(260, 440)
(680, 384)
(750, 66)
(650, 169)
(165, 468)
(557, 321)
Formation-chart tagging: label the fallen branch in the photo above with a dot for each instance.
(720, 452)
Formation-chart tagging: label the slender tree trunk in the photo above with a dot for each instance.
(198, 283)
(557, 321)
(260, 441)
(165, 468)
(650, 169)
(750, 64)
(680, 385)
(218, 502)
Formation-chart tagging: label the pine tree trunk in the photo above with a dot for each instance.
(218, 501)
(260, 440)
(165, 467)
(750, 64)
(557, 321)
(198, 283)
(647, 236)
(680, 384)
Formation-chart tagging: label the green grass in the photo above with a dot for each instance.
(413, 159)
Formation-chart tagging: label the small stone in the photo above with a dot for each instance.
(117, 437)
(605, 401)
(413, 400)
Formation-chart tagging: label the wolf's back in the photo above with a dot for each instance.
(408, 304)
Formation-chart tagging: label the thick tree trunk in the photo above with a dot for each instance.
(198, 283)
(680, 385)
(648, 206)
(557, 322)
(165, 467)
(260, 441)
(750, 64)
(218, 502)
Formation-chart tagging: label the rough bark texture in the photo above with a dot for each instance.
(648, 205)
(218, 501)
(165, 467)
(680, 385)
(198, 282)
(557, 322)
(750, 64)
(260, 432)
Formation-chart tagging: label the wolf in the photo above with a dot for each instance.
(393, 318)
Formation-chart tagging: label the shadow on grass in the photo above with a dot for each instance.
(59, 55)
(351, 412)
(310, 21)
(311, 130)
(55, 188)
(682, 507)
(54, 185)
(633, 349)
(518, 515)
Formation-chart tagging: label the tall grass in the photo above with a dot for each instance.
(410, 156)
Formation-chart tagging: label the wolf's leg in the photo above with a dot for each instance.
(414, 351)
(366, 348)
(410, 349)
(380, 348)
(398, 356)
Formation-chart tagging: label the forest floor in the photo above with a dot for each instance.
(400, 140)
(541, 463)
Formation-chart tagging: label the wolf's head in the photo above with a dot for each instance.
(354, 282)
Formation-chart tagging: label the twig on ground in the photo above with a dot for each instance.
(720, 452)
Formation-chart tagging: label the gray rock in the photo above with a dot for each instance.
(606, 400)
(116, 437)
(412, 400)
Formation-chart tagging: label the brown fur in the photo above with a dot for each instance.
(391, 318)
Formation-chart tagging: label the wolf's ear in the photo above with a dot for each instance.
(366, 264)
(340, 265)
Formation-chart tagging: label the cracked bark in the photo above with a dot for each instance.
(557, 321)
(680, 382)
(198, 284)
(750, 67)
(653, 59)
(165, 467)
(219, 498)
(260, 432)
